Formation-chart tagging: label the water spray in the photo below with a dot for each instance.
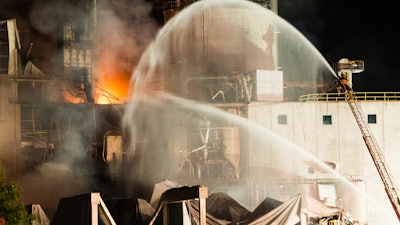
(345, 68)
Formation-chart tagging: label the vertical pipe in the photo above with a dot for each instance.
(94, 44)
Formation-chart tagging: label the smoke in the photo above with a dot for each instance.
(193, 46)
(51, 182)
(123, 32)
(49, 16)
(70, 172)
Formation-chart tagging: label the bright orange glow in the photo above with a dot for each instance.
(112, 90)
(102, 100)
(71, 98)
(112, 81)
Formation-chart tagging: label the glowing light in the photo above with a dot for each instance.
(112, 90)
(69, 97)
(112, 81)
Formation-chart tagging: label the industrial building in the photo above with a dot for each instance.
(275, 131)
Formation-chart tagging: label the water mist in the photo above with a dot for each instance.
(216, 40)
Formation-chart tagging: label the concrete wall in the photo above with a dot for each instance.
(340, 143)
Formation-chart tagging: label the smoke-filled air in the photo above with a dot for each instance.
(201, 58)
(191, 103)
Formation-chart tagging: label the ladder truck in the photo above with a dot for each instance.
(344, 69)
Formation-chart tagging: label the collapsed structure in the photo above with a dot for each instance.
(193, 205)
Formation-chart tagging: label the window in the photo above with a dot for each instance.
(327, 119)
(282, 119)
(327, 193)
(371, 118)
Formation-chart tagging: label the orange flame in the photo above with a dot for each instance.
(112, 81)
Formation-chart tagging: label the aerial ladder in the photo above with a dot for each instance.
(344, 69)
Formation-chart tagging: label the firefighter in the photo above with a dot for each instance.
(344, 80)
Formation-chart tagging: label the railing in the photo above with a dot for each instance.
(358, 96)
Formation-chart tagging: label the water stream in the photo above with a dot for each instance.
(173, 126)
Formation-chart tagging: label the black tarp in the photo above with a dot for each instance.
(263, 208)
(130, 211)
(74, 210)
(210, 220)
(287, 213)
(223, 206)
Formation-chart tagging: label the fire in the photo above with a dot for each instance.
(69, 97)
(112, 89)
(112, 81)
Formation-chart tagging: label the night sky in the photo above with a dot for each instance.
(355, 30)
(338, 29)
